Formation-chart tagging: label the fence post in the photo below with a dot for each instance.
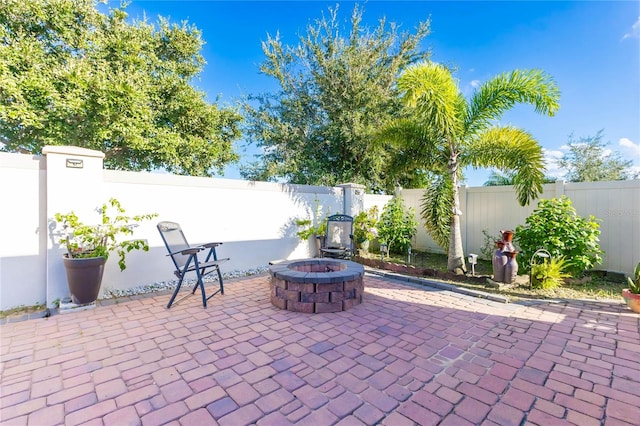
(74, 183)
(353, 194)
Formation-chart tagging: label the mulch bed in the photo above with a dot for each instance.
(420, 272)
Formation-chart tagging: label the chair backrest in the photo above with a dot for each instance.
(339, 231)
(174, 240)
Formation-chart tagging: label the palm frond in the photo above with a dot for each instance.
(499, 94)
(431, 90)
(499, 179)
(436, 208)
(513, 151)
(414, 151)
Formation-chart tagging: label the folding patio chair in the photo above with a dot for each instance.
(185, 259)
(338, 239)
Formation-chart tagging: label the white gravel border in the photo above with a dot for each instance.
(108, 293)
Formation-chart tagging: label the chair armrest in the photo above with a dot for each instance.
(191, 250)
(209, 245)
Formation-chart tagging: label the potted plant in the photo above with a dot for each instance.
(631, 295)
(315, 227)
(364, 228)
(550, 273)
(308, 229)
(88, 247)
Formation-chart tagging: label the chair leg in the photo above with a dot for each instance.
(200, 283)
(181, 274)
(220, 280)
(175, 292)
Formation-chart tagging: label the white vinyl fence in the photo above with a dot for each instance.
(616, 205)
(255, 220)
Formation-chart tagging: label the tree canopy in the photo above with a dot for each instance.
(441, 132)
(74, 76)
(588, 160)
(335, 92)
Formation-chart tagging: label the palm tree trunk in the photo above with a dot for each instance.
(455, 261)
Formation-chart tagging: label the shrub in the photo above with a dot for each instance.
(549, 274)
(556, 227)
(364, 225)
(634, 284)
(488, 244)
(397, 226)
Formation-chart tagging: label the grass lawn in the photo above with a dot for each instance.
(591, 285)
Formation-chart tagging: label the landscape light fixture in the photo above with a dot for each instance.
(473, 260)
(383, 250)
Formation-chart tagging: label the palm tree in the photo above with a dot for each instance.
(441, 132)
(500, 179)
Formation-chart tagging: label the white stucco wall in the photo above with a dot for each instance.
(254, 220)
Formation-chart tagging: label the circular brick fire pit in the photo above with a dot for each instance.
(316, 285)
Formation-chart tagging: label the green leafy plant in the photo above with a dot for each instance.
(549, 274)
(489, 244)
(314, 226)
(634, 284)
(364, 225)
(64, 84)
(555, 226)
(307, 228)
(397, 226)
(85, 241)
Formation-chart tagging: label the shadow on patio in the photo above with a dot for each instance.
(407, 355)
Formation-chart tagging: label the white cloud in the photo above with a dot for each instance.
(635, 30)
(632, 148)
(634, 171)
(471, 87)
(554, 154)
(551, 158)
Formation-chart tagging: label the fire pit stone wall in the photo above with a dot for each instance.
(316, 285)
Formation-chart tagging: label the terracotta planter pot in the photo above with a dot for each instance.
(84, 277)
(507, 236)
(632, 299)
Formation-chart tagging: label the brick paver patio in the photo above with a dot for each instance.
(406, 355)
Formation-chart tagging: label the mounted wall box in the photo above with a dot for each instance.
(74, 163)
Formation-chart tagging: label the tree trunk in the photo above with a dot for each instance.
(455, 261)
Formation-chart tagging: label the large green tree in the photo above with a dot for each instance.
(72, 75)
(442, 132)
(337, 88)
(589, 161)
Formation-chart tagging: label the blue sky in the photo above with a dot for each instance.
(591, 48)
